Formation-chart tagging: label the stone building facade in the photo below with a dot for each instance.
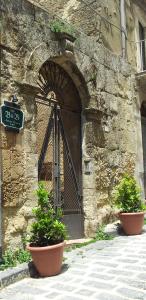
(99, 81)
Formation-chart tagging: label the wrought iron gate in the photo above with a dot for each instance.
(55, 165)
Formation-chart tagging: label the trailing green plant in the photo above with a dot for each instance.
(127, 196)
(61, 26)
(47, 229)
(13, 258)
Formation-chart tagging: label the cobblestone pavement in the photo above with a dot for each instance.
(105, 270)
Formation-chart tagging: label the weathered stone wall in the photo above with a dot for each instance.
(94, 17)
(111, 131)
(106, 85)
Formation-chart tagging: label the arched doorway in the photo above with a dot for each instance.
(143, 125)
(59, 143)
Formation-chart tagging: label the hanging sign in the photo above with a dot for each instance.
(12, 117)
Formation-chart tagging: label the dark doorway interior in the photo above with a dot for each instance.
(143, 124)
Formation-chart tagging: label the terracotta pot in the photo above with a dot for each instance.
(47, 260)
(132, 223)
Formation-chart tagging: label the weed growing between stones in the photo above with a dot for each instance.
(13, 258)
(60, 26)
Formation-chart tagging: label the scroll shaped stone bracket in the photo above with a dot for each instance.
(67, 47)
(66, 42)
(92, 113)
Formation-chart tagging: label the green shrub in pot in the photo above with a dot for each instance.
(47, 234)
(128, 195)
(128, 200)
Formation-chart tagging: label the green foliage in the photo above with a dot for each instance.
(60, 26)
(47, 229)
(101, 235)
(11, 258)
(127, 195)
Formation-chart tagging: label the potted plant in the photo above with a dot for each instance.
(63, 30)
(128, 200)
(47, 235)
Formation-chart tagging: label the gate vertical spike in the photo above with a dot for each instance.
(59, 149)
(56, 158)
(45, 143)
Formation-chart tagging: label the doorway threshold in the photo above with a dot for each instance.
(77, 241)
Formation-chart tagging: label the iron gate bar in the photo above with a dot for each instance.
(70, 162)
(53, 77)
(46, 100)
(56, 151)
(59, 160)
(45, 142)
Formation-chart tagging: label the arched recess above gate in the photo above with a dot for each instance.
(64, 78)
(52, 77)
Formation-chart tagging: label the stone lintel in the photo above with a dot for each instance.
(141, 79)
(27, 88)
(93, 114)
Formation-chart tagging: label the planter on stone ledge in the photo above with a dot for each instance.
(65, 34)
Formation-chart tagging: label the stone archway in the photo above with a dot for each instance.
(63, 139)
(143, 125)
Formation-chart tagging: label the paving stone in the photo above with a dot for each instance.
(26, 289)
(101, 276)
(22, 297)
(69, 297)
(132, 294)
(76, 272)
(79, 267)
(133, 283)
(142, 276)
(77, 278)
(52, 295)
(105, 296)
(98, 269)
(130, 261)
(136, 267)
(85, 292)
(66, 287)
(107, 264)
(98, 284)
(121, 272)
